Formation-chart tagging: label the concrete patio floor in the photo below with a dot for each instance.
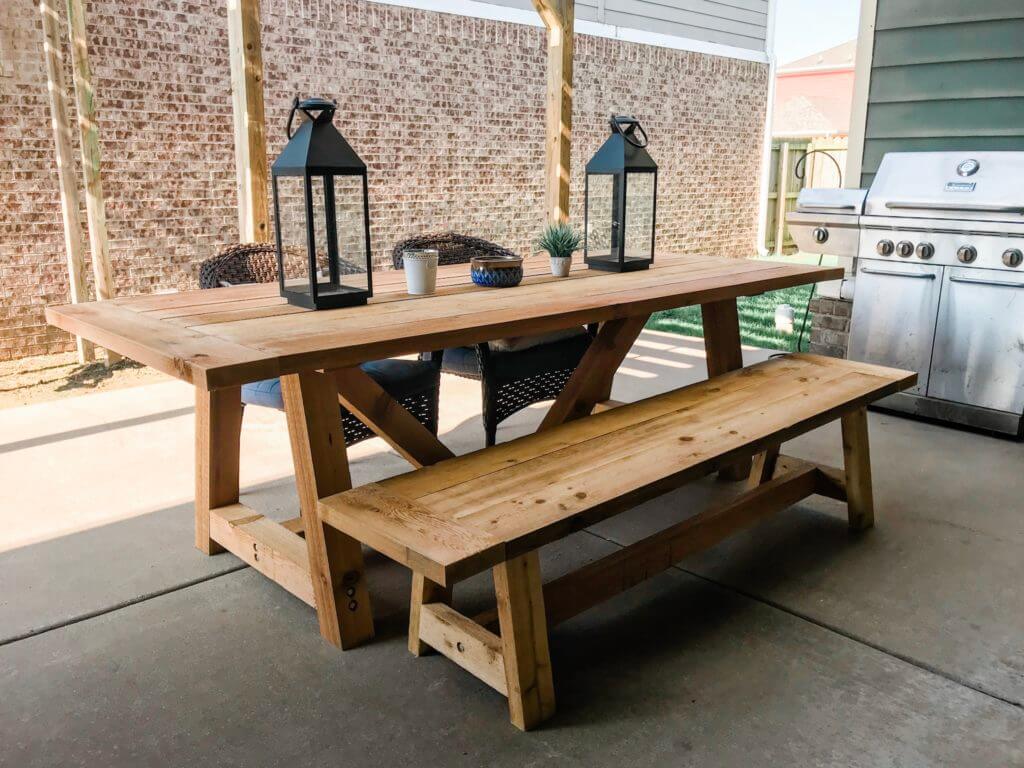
(793, 644)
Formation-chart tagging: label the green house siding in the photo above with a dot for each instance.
(945, 75)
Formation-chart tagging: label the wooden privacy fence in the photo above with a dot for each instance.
(818, 171)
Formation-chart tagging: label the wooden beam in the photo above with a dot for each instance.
(246, 57)
(321, 469)
(763, 468)
(424, 591)
(591, 382)
(465, 642)
(89, 140)
(599, 581)
(559, 19)
(724, 352)
(388, 419)
(524, 640)
(602, 579)
(70, 204)
(218, 434)
(857, 465)
(294, 524)
(267, 546)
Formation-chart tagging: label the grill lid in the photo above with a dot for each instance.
(984, 186)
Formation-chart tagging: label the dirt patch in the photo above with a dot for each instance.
(52, 377)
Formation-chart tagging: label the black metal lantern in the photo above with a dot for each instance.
(321, 213)
(621, 201)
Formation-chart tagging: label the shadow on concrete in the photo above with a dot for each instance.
(71, 434)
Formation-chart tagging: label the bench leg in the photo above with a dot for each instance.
(218, 434)
(857, 464)
(524, 640)
(763, 468)
(321, 469)
(424, 591)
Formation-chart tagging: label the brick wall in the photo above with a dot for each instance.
(447, 111)
(830, 326)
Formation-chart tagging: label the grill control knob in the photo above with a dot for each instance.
(966, 254)
(925, 250)
(1012, 257)
(904, 248)
(820, 235)
(884, 247)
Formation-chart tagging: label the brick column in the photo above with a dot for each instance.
(830, 326)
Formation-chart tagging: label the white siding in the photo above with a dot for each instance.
(738, 23)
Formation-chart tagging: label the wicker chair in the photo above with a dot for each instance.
(515, 373)
(415, 384)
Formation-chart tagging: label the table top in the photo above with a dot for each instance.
(228, 336)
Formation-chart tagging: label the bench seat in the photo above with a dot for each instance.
(495, 507)
(464, 515)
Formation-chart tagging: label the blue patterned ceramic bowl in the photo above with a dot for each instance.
(497, 271)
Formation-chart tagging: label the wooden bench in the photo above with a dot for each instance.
(496, 507)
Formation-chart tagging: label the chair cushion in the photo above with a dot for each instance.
(462, 361)
(399, 378)
(517, 343)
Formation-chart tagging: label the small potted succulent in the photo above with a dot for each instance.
(560, 241)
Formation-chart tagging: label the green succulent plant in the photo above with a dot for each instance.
(559, 240)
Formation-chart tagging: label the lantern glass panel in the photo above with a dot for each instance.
(600, 196)
(291, 226)
(351, 224)
(639, 224)
(326, 277)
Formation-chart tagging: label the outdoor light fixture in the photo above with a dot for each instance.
(621, 201)
(321, 214)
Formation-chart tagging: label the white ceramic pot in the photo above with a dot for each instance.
(560, 265)
(420, 270)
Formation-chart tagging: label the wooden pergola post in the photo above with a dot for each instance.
(69, 200)
(558, 17)
(88, 130)
(246, 55)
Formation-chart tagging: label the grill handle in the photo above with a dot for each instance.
(826, 207)
(912, 275)
(979, 281)
(979, 207)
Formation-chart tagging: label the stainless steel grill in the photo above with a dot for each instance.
(938, 242)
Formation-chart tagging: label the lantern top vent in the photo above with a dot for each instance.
(316, 147)
(625, 150)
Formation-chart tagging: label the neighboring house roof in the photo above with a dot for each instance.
(840, 57)
(813, 94)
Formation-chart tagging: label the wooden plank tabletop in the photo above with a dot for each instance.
(229, 336)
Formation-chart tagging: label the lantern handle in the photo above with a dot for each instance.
(323, 106)
(627, 126)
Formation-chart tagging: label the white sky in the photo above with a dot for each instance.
(803, 27)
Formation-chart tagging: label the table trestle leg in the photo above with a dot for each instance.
(218, 421)
(321, 469)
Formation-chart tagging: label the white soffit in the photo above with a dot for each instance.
(734, 29)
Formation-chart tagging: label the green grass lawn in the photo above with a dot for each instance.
(757, 315)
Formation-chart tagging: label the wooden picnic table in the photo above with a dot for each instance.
(222, 338)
